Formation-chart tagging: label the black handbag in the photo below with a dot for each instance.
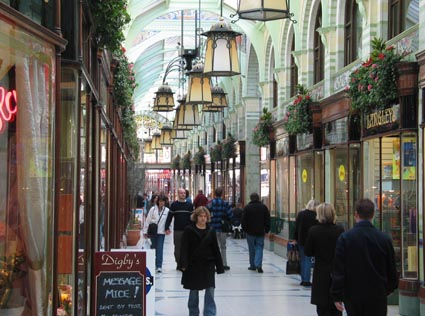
(293, 265)
(153, 227)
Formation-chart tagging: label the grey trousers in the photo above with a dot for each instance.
(221, 239)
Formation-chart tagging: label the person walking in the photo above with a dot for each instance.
(320, 244)
(180, 211)
(305, 219)
(220, 213)
(200, 199)
(256, 223)
(199, 259)
(158, 215)
(364, 268)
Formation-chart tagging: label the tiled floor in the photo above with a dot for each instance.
(239, 292)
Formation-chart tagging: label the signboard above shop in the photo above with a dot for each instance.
(382, 120)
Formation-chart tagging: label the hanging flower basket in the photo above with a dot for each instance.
(229, 150)
(176, 162)
(199, 157)
(374, 84)
(298, 118)
(185, 163)
(263, 130)
(216, 152)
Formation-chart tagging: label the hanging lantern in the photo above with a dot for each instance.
(219, 100)
(221, 55)
(156, 145)
(164, 100)
(176, 126)
(165, 139)
(199, 86)
(178, 134)
(264, 10)
(188, 115)
(147, 149)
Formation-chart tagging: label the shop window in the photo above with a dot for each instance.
(354, 180)
(305, 179)
(319, 49)
(339, 161)
(41, 12)
(353, 32)
(27, 86)
(403, 14)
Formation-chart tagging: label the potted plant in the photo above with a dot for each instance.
(133, 231)
(215, 152)
(263, 130)
(374, 84)
(298, 118)
(229, 150)
(199, 157)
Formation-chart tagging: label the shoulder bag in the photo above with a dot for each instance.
(153, 227)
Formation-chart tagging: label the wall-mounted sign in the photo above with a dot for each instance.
(382, 120)
(8, 107)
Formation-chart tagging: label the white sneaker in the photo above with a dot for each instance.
(159, 270)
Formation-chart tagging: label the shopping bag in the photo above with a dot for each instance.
(293, 265)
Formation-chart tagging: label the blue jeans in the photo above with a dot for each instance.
(209, 304)
(305, 265)
(158, 244)
(255, 248)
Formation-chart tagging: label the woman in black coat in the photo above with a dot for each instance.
(321, 242)
(199, 259)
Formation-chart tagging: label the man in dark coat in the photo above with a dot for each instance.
(364, 272)
(180, 211)
(255, 223)
(199, 258)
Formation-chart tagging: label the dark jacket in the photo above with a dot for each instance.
(364, 265)
(256, 219)
(321, 241)
(181, 212)
(305, 220)
(199, 258)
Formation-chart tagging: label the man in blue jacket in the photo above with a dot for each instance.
(364, 267)
(255, 223)
(220, 212)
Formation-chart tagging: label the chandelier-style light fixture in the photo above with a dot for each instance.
(188, 115)
(156, 145)
(164, 100)
(221, 55)
(165, 138)
(148, 146)
(263, 10)
(219, 100)
(199, 86)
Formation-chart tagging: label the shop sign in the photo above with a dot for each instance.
(8, 107)
(381, 120)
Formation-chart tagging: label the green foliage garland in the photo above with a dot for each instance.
(111, 18)
(298, 118)
(374, 84)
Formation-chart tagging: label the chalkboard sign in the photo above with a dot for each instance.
(120, 283)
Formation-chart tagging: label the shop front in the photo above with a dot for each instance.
(28, 101)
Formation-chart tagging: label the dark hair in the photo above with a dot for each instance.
(187, 192)
(161, 198)
(153, 197)
(365, 208)
(218, 192)
(254, 197)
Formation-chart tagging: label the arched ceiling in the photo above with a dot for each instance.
(153, 39)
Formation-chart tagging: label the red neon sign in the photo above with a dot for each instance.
(8, 107)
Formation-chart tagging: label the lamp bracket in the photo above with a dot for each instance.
(234, 15)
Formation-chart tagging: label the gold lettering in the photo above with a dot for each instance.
(380, 118)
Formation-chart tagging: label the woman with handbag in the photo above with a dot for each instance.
(154, 228)
(199, 259)
(320, 243)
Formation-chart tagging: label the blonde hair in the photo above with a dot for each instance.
(312, 204)
(326, 213)
(198, 211)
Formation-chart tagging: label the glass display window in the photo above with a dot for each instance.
(309, 178)
(27, 95)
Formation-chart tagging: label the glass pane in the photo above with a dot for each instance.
(354, 180)
(409, 206)
(390, 198)
(319, 174)
(305, 184)
(103, 173)
(291, 193)
(371, 168)
(341, 185)
(282, 194)
(67, 191)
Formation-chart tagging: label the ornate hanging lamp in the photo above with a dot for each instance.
(148, 146)
(188, 115)
(263, 10)
(165, 139)
(164, 100)
(219, 100)
(156, 145)
(221, 55)
(199, 86)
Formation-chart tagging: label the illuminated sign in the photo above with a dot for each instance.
(8, 107)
